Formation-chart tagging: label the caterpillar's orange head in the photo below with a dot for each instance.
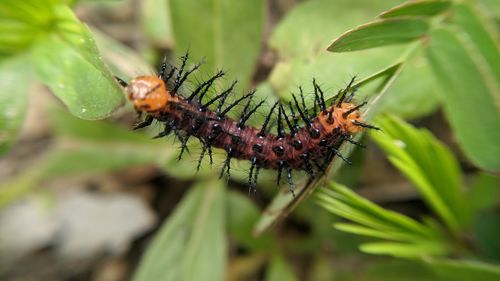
(350, 113)
(148, 93)
(344, 116)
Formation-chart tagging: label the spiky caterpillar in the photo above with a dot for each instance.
(309, 145)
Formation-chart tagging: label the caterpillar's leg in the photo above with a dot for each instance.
(334, 152)
(281, 165)
(166, 131)
(184, 141)
(227, 164)
(251, 182)
(149, 119)
(291, 185)
(206, 144)
(121, 82)
(364, 125)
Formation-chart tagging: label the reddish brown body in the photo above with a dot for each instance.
(149, 94)
(309, 147)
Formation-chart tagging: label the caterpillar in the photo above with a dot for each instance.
(310, 143)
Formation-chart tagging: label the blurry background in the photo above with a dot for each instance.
(83, 200)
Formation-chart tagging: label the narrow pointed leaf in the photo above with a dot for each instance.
(401, 250)
(417, 8)
(429, 165)
(380, 33)
(402, 236)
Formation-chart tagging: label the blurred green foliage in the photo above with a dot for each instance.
(414, 57)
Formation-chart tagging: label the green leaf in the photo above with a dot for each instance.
(429, 165)
(479, 33)
(69, 63)
(470, 103)
(491, 8)
(22, 22)
(157, 23)
(279, 270)
(400, 250)
(227, 33)
(417, 8)
(122, 60)
(380, 33)
(408, 99)
(16, 79)
(406, 237)
(465, 270)
(191, 244)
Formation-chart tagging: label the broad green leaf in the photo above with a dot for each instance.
(465, 270)
(156, 22)
(16, 79)
(429, 165)
(68, 61)
(417, 8)
(481, 34)
(228, 34)
(471, 105)
(122, 60)
(191, 243)
(279, 270)
(380, 33)
(408, 99)
(490, 7)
